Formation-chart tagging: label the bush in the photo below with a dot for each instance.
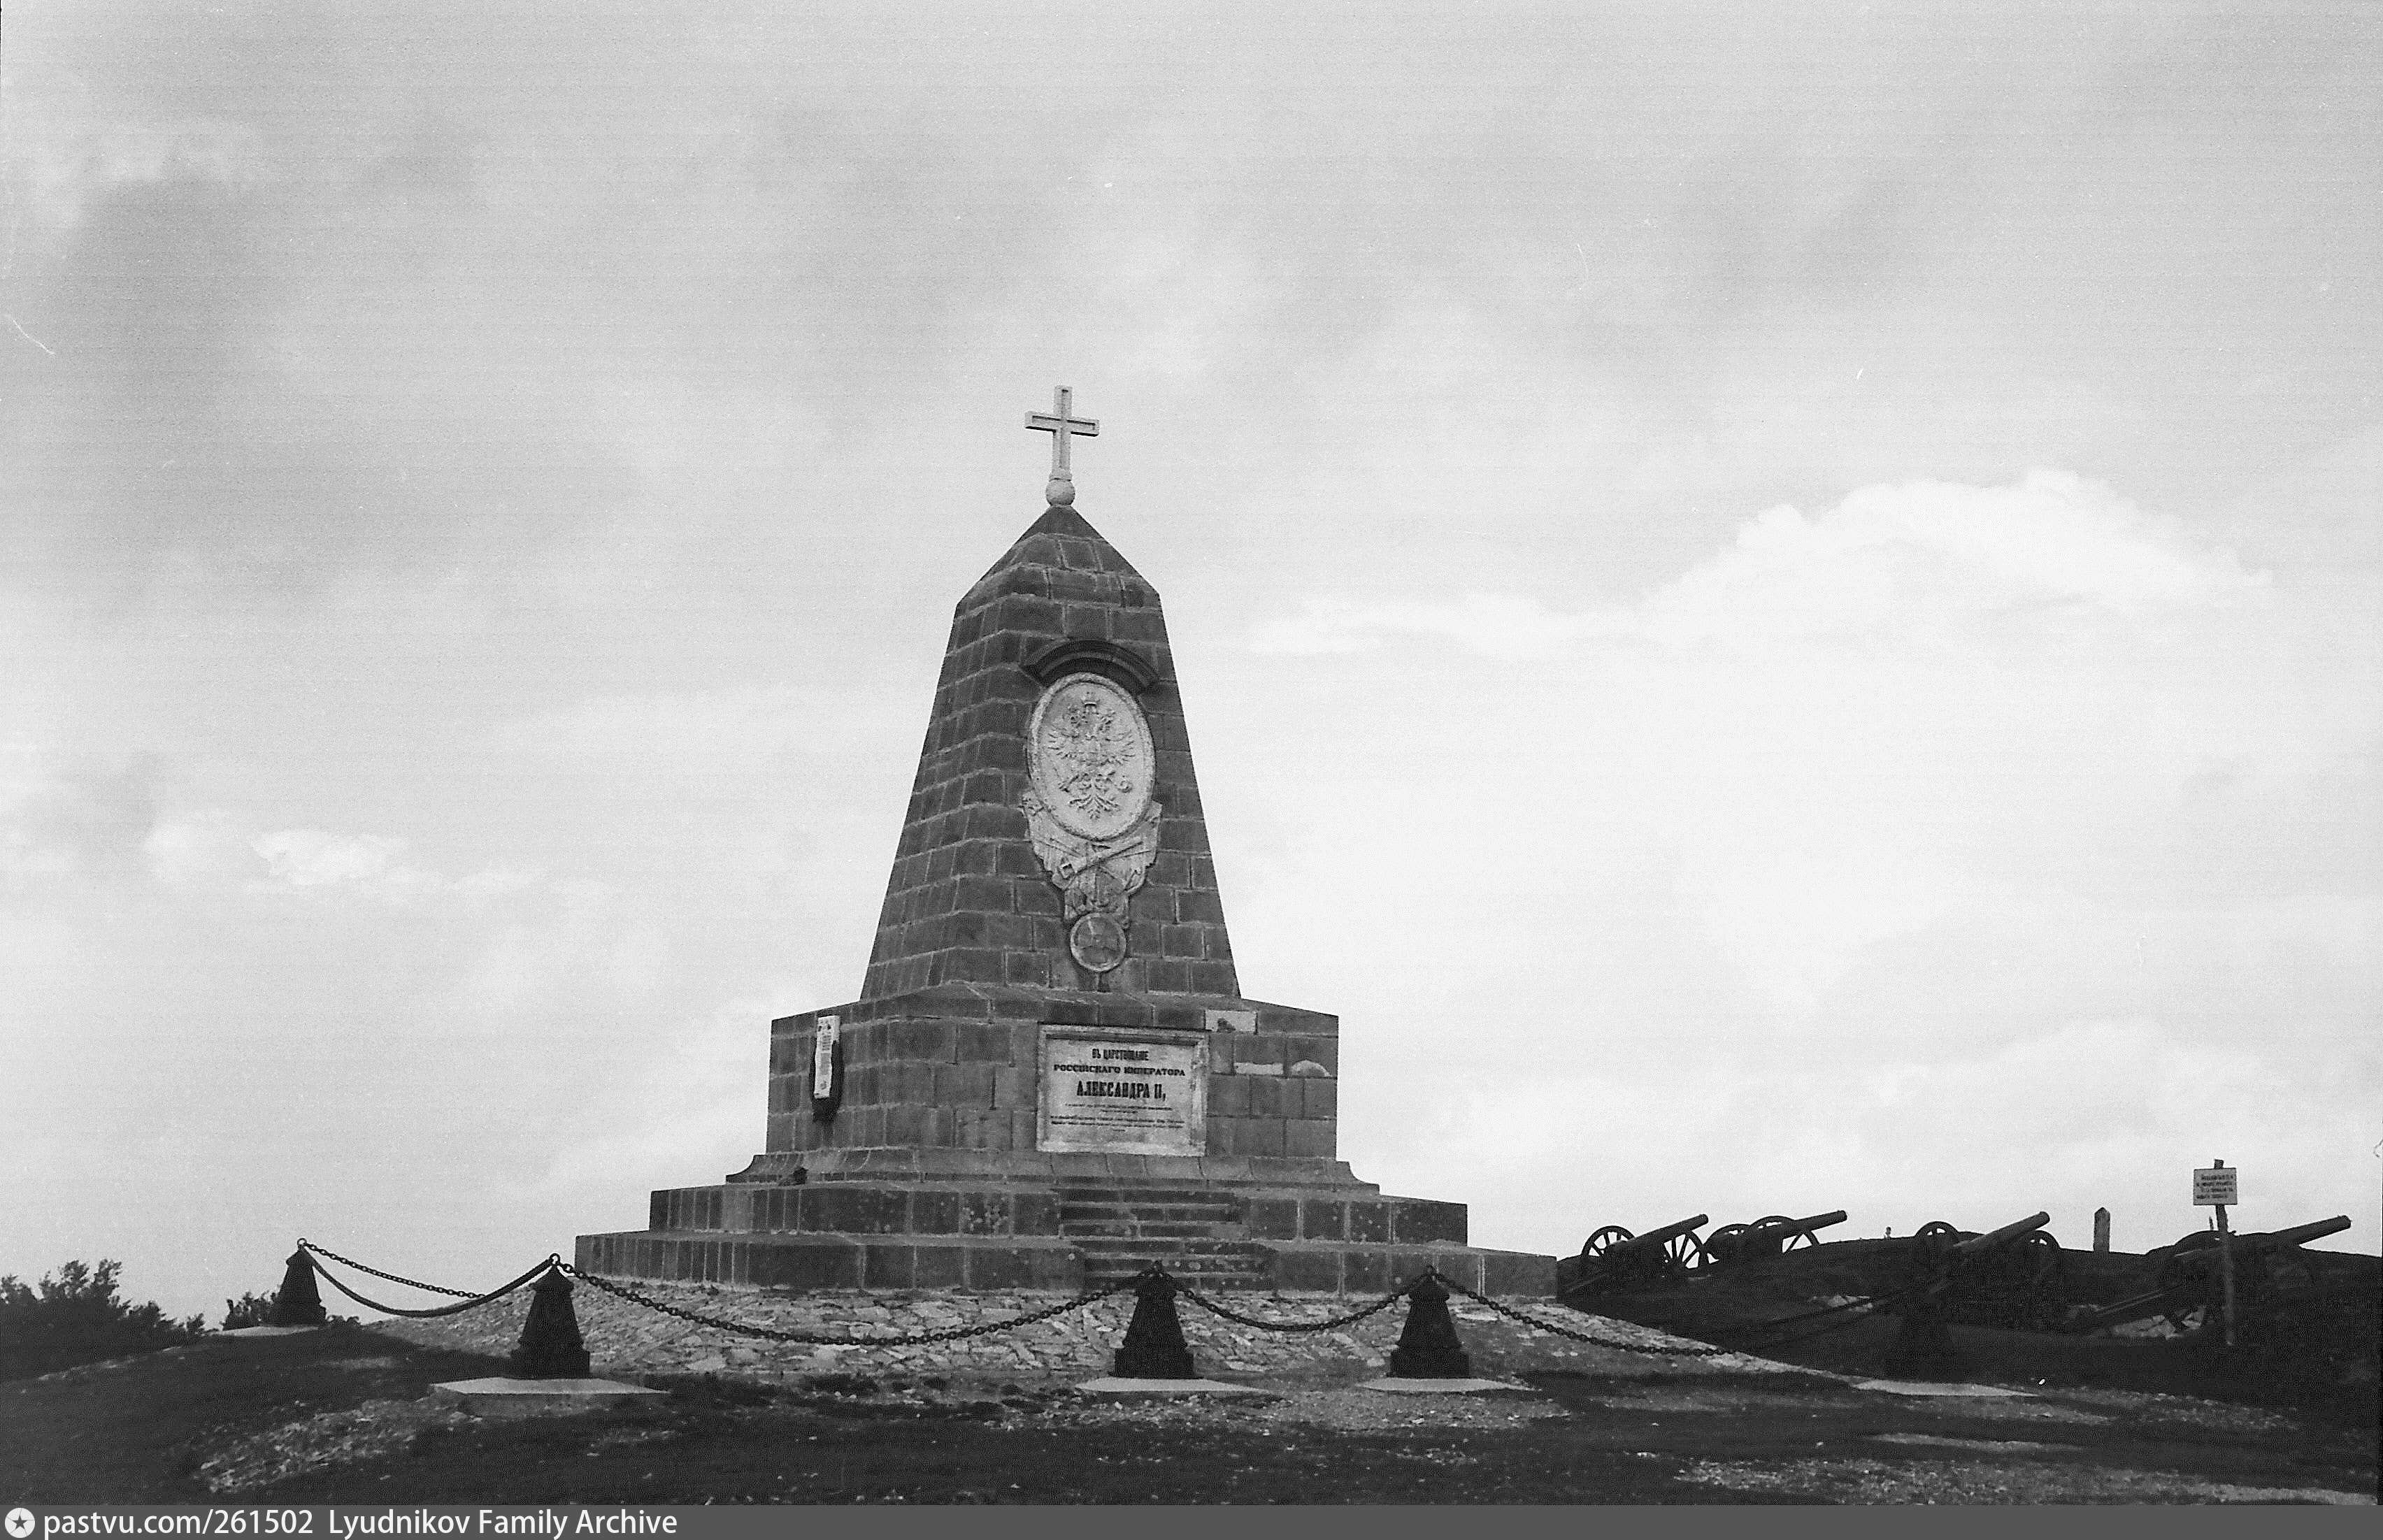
(249, 1309)
(76, 1318)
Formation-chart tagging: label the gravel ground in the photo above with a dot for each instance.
(629, 1340)
(1978, 1482)
(324, 1441)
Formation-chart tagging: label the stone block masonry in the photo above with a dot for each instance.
(956, 1067)
(969, 902)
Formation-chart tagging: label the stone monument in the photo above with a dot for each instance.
(1051, 1077)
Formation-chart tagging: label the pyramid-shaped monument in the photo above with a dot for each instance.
(1051, 1077)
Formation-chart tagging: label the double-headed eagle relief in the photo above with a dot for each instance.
(1088, 810)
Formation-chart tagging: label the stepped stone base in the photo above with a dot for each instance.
(848, 1233)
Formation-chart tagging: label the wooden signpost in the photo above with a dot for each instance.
(2214, 1187)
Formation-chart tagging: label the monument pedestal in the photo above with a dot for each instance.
(1051, 1077)
(930, 1172)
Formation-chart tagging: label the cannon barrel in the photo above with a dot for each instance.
(2255, 1243)
(1992, 1238)
(1668, 1232)
(1817, 1221)
(2275, 1240)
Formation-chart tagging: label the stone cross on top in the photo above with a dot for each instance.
(1061, 427)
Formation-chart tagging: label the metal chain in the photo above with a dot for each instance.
(906, 1340)
(1213, 1308)
(553, 1261)
(1593, 1340)
(306, 1245)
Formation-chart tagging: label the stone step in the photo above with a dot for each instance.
(1205, 1212)
(1124, 1266)
(1080, 1229)
(1216, 1282)
(1072, 1193)
(1203, 1246)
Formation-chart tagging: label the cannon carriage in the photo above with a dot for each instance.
(1612, 1258)
(1772, 1236)
(2007, 1278)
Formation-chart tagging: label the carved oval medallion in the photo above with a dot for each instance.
(1091, 757)
(1097, 942)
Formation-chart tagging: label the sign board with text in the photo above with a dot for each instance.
(1124, 1092)
(2215, 1185)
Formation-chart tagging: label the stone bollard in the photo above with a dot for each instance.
(551, 1345)
(2101, 1229)
(1155, 1349)
(1429, 1346)
(299, 1302)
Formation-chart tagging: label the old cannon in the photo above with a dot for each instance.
(2005, 1277)
(2194, 1257)
(2266, 1270)
(2266, 1267)
(1733, 1244)
(1614, 1258)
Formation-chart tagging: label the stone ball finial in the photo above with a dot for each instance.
(1059, 492)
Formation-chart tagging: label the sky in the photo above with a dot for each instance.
(1778, 604)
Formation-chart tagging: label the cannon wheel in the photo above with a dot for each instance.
(1682, 1253)
(1603, 1240)
(1721, 1246)
(1936, 1230)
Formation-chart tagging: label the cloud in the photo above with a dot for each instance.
(1869, 751)
(65, 165)
(1489, 624)
(370, 867)
(72, 820)
(711, 725)
(1919, 561)
(201, 849)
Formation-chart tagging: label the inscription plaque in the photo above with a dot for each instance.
(1130, 1093)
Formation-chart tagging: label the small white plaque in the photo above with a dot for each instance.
(823, 1059)
(1126, 1093)
(2213, 1185)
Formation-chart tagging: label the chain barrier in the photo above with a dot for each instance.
(1763, 1335)
(1590, 1337)
(904, 1339)
(306, 1245)
(1213, 1308)
(472, 1303)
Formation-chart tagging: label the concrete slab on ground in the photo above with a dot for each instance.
(500, 1397)
(1927, 1388)
(1109, 1385)
(1440, 1387)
